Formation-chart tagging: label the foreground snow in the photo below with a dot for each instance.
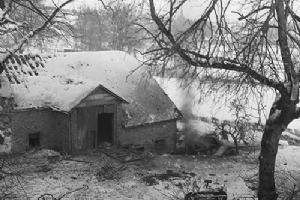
(288, 157)
(39, 176)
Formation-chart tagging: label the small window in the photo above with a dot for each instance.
(34, 140)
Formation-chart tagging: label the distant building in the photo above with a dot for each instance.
(75, 101)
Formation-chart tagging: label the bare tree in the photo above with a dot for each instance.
(259, 50)
(60, 29)
(239, 128)
(22, 31)
(91, 30)
(111, 26)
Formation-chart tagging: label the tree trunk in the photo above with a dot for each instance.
(236, 145)
(267, 158)
(281, 114)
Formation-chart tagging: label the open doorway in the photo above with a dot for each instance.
(34, 140)
(105, 127)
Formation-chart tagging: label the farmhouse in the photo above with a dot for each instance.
(76, 101)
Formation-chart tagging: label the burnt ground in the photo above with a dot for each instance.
(95, 175)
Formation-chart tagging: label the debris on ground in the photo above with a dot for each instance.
(76, 160)
(48, 154)
(109, 172)
(251, 181)
(153, 179)
(43, 168)
(160, 175)
(123, 155)
(209, 195)
(204, 144)
(60, 197)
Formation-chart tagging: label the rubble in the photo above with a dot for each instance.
(209, 195)
(153, 179)
(44, 153)
(125, 155)
(109, 172)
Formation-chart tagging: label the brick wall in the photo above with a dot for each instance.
(53, 128)
(159, 137)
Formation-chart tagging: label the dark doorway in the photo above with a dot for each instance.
(105, 127)
(34, 140)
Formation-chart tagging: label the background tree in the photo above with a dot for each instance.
(110, 26)
(91, 30)
(240, 129)
(260, 50)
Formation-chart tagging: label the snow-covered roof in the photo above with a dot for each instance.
(61, 81)
(34, 84)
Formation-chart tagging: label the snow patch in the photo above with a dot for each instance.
(283, 143)
(291, 135)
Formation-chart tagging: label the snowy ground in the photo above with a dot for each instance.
(288, 157)
(38, 175)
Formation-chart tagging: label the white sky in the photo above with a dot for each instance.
(191, 10)
(194, 8)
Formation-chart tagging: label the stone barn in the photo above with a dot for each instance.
(75, 101)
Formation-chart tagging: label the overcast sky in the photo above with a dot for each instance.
(192, 9)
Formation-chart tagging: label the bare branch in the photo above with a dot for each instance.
(207, 62)
(34, 32)
(242, 17)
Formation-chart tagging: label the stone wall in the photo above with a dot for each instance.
(51, 126)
